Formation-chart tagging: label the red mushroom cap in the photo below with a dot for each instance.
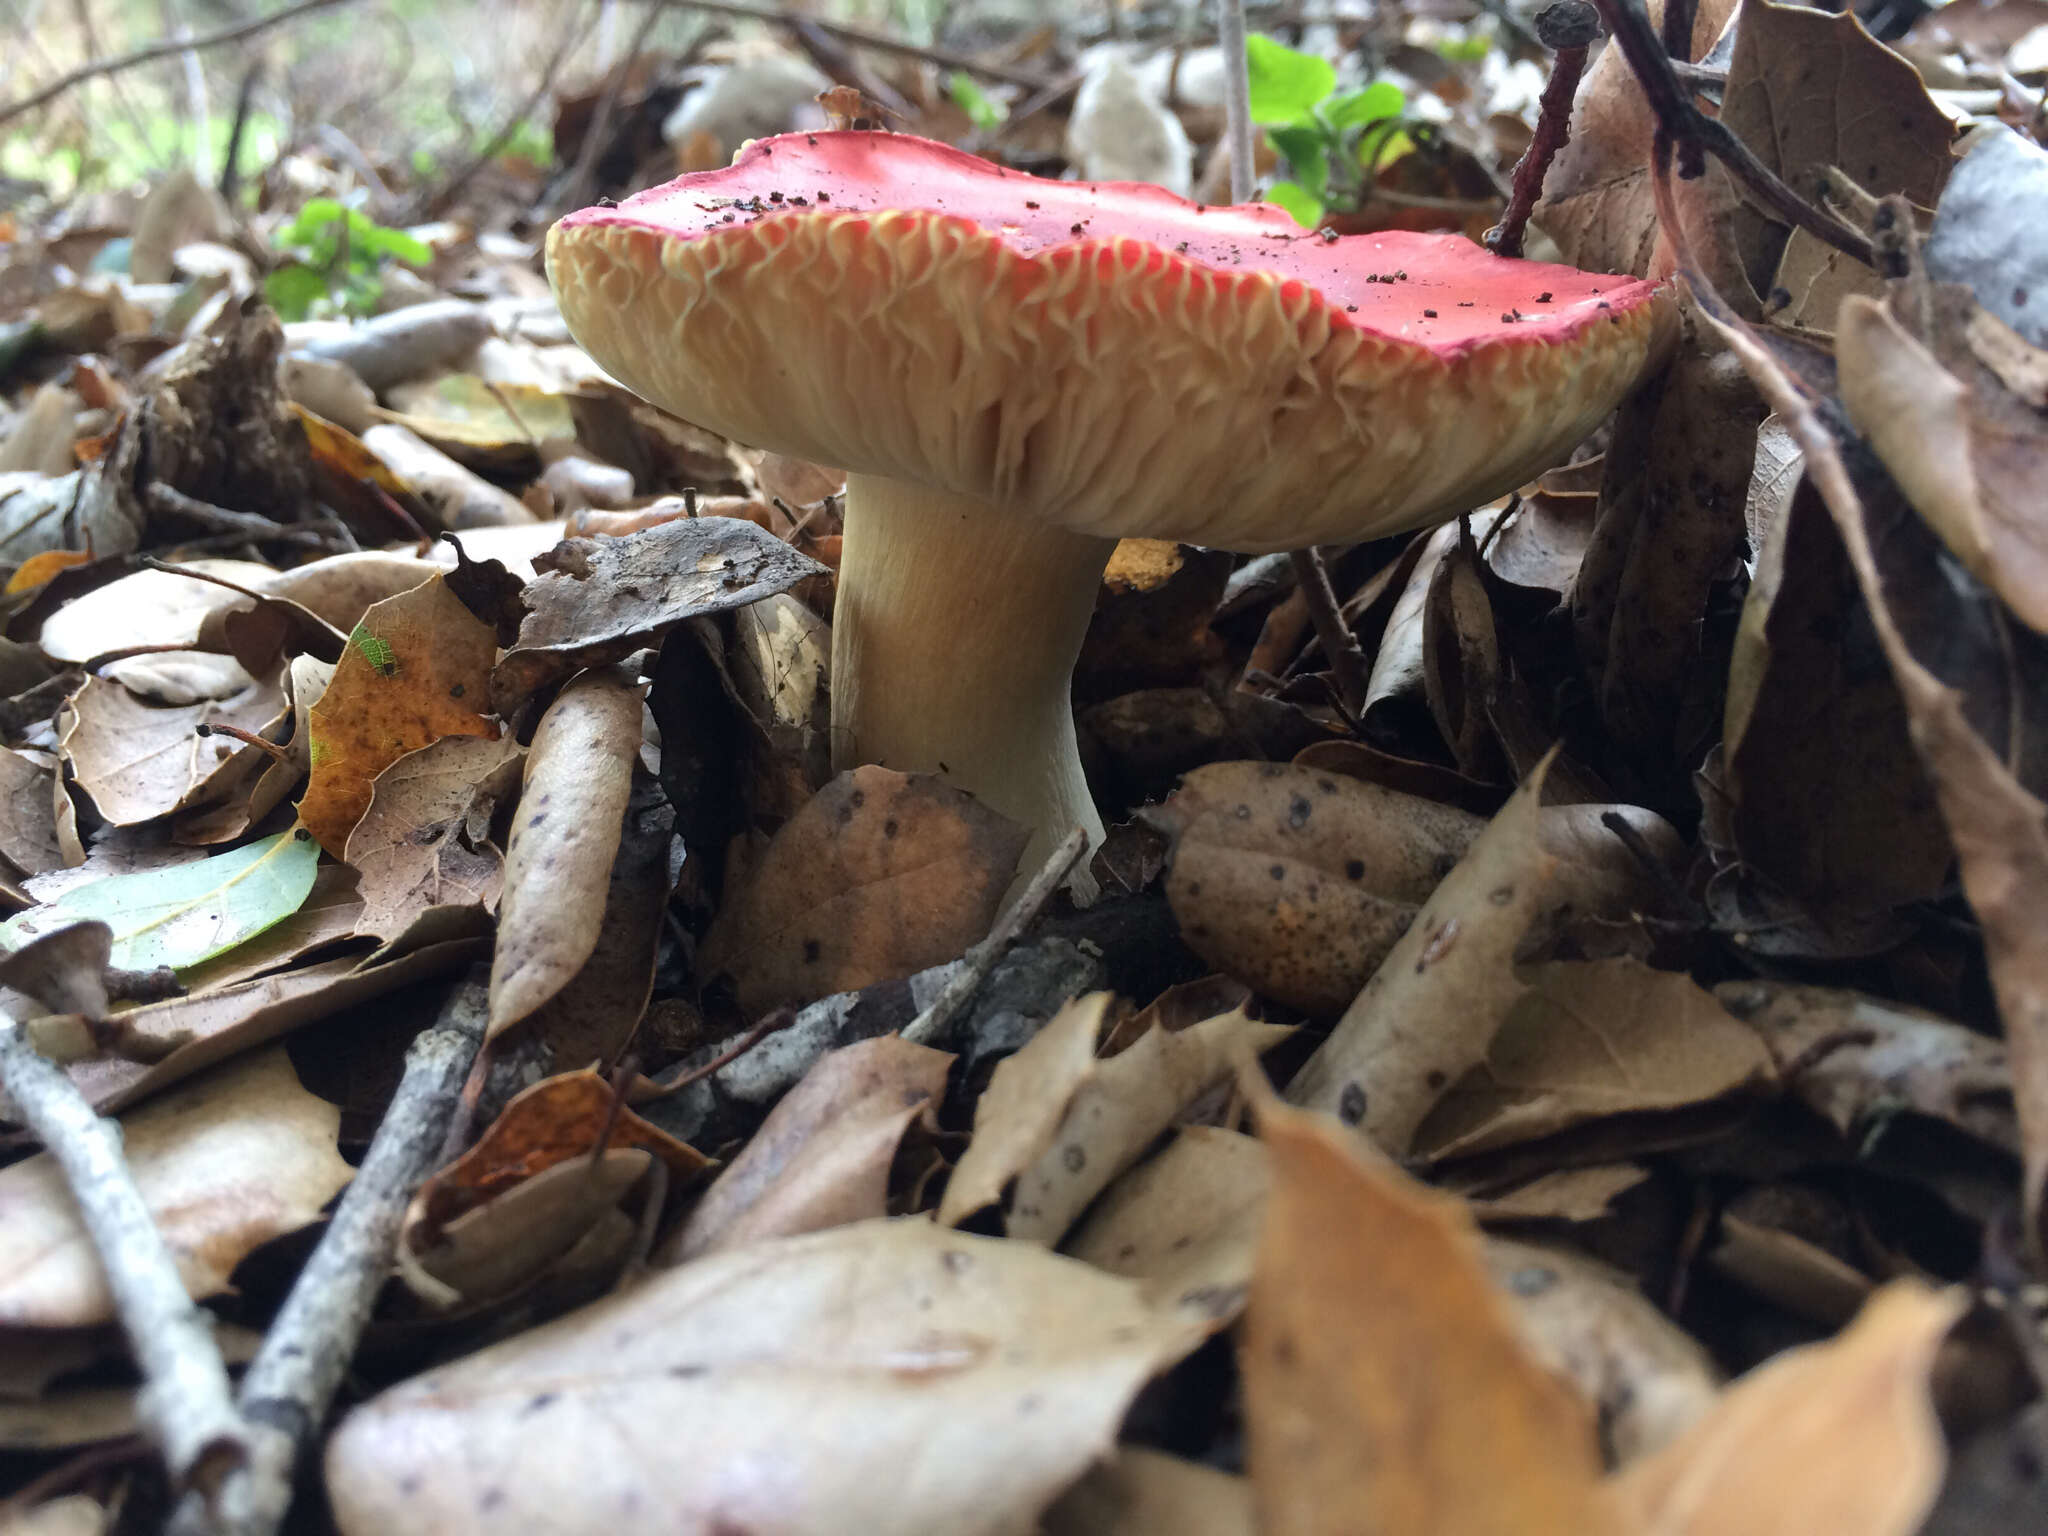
(1109, 357)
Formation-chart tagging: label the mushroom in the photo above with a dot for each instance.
(1016, 372)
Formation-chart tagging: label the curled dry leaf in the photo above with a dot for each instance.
(1434, 1005)
(1862, 1058)
(1830, 1437)
(821, 1158)
(579, 773)
(997, 1370)
(598, 600)
(28, 811)
(225, 1164)
(1383, 1375)
(1299, 881)
(1589, 1039)
(425, 840)
(880, 874)
(417, 669)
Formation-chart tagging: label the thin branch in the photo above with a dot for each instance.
(185, 1404)
(1347, 661)
(861, 37)
(291, 1383)
(1692, 131)
(571, 193)
(1237, 103)
(981, 959)
(1568, 29)
(162, 49)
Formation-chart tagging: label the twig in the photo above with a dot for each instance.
(1237, 99)
(861, 37)
(185, 1404)
(1347, 661)
(981, 959)
(571, 192)
(1568, 29)
(209, 519)
(291, 1383)
(1694, 133)
(161, 49)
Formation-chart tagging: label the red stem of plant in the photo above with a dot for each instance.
(1553, 132)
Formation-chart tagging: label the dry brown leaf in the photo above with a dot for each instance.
(425, 840)
(598, 600)
(1862, 1058)
(226, 1163)
(1564, 1194)
(306, 679)
(1383, 1376)
(1969, 457)
(1299, 881)
(75, 1514)
(28, 811)
(879, 875)
(416, 670)
(1594, 1038)
(1432, 1008)
(139, 761)
(1148, 1493)
(1185, 1223)
(797, 1367)
(518, 1234)
(1019, 1113)
(579, 773)
(154, 608)
(821, 1158)
(1830, 1437)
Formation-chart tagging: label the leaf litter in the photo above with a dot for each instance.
(1593, 1080)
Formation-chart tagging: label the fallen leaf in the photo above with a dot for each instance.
(224, 1164)
(599, 600)
(998, 1371)
(821, 1158)
(565, 835)
(1383, 1376)
(1147, 1493)
(1185, 1223)
(417, 669)
(425, 840)
(1594, 1038)
(880, 874)
(28, 811)
(1839, 1436)
(1299, 882)
(139, 761)
(1565, 1194)
(189, 912)
(1431, 1010)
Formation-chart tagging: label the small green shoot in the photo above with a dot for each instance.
(983, 110)
(1332, 144)
(335, 261)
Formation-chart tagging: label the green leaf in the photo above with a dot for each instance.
(317, 218)
(982, 109)
(293, 290)
(1301, 205)
(1286, 85)
(1379, 100)
(396, 244)
(188, 913)
(1307, 153)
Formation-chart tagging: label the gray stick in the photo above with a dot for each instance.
(1237, 99)
(185, 1404)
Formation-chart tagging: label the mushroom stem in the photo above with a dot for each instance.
(953, 647)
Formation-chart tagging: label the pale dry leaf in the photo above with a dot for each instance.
(1432, 1008)
(1563, 1194)
(75, 1514)
(880, 874)
(985, 1375)
(1019, 1113)
(1594, 1038)
(821, 1158)
(1121, 1109)
(565, 834)
(1148, 1493)
(28, 811)
(1185, 1223)
(425, 840)
(148, 608)
(228, 1162)
(1839, 1436)
(1383, 1375)
(139, 761)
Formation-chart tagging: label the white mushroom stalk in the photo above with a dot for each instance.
(953, 649)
